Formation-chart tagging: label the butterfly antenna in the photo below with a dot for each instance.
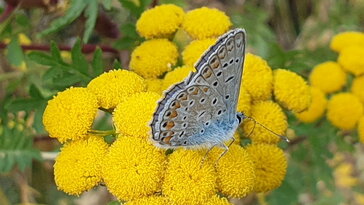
(256, 122)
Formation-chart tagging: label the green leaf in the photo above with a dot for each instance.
(56, 54)
(42, 58)
(114, 203)
(97, 64)
(34, 92)
(116, 64)
(91, 13)
(107, 4)
(135, 9)
(15, 54)
(78, 60)
(129, 29)
(25, 104)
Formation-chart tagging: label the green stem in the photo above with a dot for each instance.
(102, 132)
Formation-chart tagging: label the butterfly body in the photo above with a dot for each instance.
(201, 111)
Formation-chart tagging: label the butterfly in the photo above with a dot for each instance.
(201, 111)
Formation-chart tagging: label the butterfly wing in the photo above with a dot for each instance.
(206, 98)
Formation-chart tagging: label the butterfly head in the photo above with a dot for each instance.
(240, 116)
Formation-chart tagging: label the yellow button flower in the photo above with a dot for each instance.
(351, 59)
(235, 171)
(175, 76)
(344, 110)
(361, 129)
(206, 22)
(316, 108)
(346, 39)
(328, 76)
(186, 181)
(113, 87)
(257, 77)
(70, 114)
(291, 90)
(357, 88)
(132, 117)
(269, 114)
(153, 58)
(133, 168)
(195, 49)
(217, 200)
(151, 200)
(244, 101)
(154, 85)
(270, 166)
(160, 21)
(78, 166)
(343, 175)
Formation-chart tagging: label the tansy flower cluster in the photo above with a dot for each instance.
(332, 90)
(137, 172)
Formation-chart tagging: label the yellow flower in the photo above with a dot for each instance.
(291, 90)
(351, 59)
(160, 21)
(186, 181)
(257, 78)
(113, 87)
(206, 23)
(316, 109)
(361, 129)
(269, 114)
(133, 168)
(357, 88)
(343, 175)
(133, 115)
(270, 166)
(70, 114)
(344, 110)
(175, 76)
(154, 85)
(195, 49)
(78, 166)
(346, 39)
(359, 198)
(217, 200)
(151, 200)
(328, 76)
(235, 171)
(244, 101)
(153, 58)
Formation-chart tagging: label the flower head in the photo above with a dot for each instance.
(195, 49)
(346, 39)
(70, 114)
(175, 76)
(344, 110)
(328, 76)
(291, 90)
(133, 168)
(154, 85)
(244, 101)
(115, 86)
(316, 108)
(361, 129)
(270, 166)
(153, 58)
(217, 200)
(270, 115)
(357, 88)
(186, 181)
(206, 23)
(258, 78)
(133, 115)
(351, 59)
(160, 21)
(235, 171)
(78, 166)
(150, 200)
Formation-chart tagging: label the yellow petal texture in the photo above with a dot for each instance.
(357, 88)
(257, 77)
(151, 200)
(291, 90)
(351, 59)
(328, 76)
(206, 22)
(186, 181)
(270, 166)
(70, 114)
(195, 49)
(132, 117)
(175, 76)
(346, 39)
(154, 85)
(113, 87)
(344, 110)
(361, 129)
(217, 200)
(316, 109)
(153, 58)
(269, 114)
(133, 168)
(244, 101)
(160, 21)
(78, 166)
(235, 171)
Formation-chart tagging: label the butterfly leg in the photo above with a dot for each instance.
(226, 147)
(205, 156)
